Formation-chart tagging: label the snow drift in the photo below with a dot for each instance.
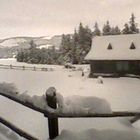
(79, 104)
(93, 134)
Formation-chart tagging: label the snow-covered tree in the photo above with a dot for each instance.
(107, 29)
(126, 29)
(133, 25)
(96, 31)
(115, 30)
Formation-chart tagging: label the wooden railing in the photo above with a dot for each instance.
(53, 116)
(32, 68)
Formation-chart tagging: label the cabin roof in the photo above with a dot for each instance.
(115, 47)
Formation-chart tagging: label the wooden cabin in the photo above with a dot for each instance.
(115, 55)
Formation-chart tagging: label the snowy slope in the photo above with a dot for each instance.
(13, 42)
(16, 41)
(24, 41)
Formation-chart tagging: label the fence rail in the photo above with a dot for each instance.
(54, 115)
(32, 68)
(17, 130)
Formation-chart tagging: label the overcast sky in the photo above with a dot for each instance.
(50, 17)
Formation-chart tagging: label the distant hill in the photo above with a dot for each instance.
(50, 41)
(10, 46)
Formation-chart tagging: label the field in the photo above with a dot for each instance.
(121, 93)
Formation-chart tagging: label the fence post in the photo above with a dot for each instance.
(11, 67)
(52, 122)
(23, 67)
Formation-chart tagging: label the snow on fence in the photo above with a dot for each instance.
(33, 68)
(52, 105)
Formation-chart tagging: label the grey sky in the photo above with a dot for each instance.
(50, 17)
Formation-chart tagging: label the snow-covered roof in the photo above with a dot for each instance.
(115, 47)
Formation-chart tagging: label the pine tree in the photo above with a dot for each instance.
(133, 25)
(131, 28)
(74, 48)
(126, 29)
(84, 43)
(81, 33)
(32, 44)
(66, 48)
(66, 43)
(117, 30)
(107, 29)
(96, 31)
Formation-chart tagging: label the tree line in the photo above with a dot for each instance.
(74, 47)
(35, 55)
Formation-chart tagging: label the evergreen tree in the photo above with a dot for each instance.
(66, 43)
(96, 31)
(131, 28)
(84, 41)
(74, 48)
(126, 29)
(32, 44)
(133, 25)
(107, 29)
(66, 48)
(115, 31)
(81, 34)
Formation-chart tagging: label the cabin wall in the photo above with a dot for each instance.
(103, 66)
(115, 67)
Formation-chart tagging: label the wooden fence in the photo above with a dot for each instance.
(53, 116)
(32, 68)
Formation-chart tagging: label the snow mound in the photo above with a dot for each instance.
(8, 88)
(93, 134)
(80, 104)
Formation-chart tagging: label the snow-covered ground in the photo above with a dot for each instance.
(121, 93)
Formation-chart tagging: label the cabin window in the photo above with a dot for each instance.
(109, 47)
(132, 47)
